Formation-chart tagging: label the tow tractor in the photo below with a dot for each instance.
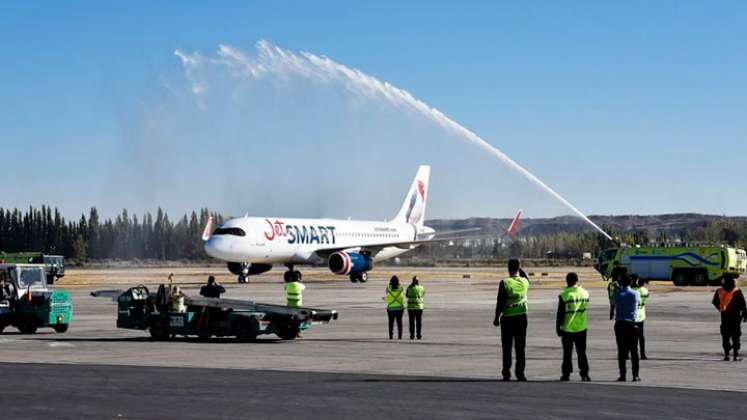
(27, 303)
(139, 309)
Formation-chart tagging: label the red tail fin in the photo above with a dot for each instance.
(514, 224)
(208, 229)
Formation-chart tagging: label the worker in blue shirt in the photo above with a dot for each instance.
(626, 330)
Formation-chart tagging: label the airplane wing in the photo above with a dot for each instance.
(453, 232)
(374, 249)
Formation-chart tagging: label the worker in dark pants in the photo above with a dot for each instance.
(729, 300)
(206, 319)
(415, 294)
(613, 286)
(212, 289)
(571, 324)
(511, 316)
(395, 306)
(626, 331)
(639, 285)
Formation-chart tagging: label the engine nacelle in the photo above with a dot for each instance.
(254, 269)
(350, 263)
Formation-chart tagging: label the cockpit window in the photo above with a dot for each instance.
(234, 231)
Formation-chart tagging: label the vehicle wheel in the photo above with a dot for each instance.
(28, 327)
(287, 331)
(158, 330)
(51, 279)
(680, 277)
(700, 278)
(61, 328)
(354, 278)
(363, 277)
(245, 330)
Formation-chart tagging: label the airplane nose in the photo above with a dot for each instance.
(212, 248)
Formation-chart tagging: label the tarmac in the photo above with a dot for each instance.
(350, 368)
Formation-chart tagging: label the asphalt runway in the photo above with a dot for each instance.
(350, 369)
(97, 391)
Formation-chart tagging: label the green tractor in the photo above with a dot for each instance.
(27, 303)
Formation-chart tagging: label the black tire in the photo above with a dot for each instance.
(28, 326)
(159, 330)
(245, 330)
(354, 278)
(61, 328)
(51, 278)
(700, 277)
(363, 277)
(680, 277)
(287, 331)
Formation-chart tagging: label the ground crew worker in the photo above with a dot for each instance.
(511, 316)
(729, 300)
(639, 285)
(612, 287)
(626, 331)
(177, 300)
(415, 294)
(212, 289)
(571, 324)
(294, 291)
(395, 306)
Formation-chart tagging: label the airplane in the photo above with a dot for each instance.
(251, 245)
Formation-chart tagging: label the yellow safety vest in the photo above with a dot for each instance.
(395, 298)
(415, 296)
(640, 315)
(294, 294)
(576, 300)
(516, 296)
(612, 289)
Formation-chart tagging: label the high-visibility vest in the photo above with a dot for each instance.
(415, 296)
(724, 298)
(576, 301)
(395, 298)
(516, 296)
(294, 293)
(612, 291)
(640, 315)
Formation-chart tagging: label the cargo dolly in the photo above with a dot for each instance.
(138, 308)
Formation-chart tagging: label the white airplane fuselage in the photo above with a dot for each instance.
(273, 240)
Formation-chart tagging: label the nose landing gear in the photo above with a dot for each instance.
(244, 274)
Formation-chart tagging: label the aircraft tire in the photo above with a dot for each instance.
(363, 277)
(354, 278)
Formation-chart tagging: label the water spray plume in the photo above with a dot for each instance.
(272, 60)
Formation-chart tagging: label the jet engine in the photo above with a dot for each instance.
(352, 263)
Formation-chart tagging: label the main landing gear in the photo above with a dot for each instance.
(359, 277)
(292, 275)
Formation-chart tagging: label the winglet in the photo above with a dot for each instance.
(514, 224)
(208, 229)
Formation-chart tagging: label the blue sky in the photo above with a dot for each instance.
(623, 107)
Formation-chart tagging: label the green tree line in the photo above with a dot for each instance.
(123, 237)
